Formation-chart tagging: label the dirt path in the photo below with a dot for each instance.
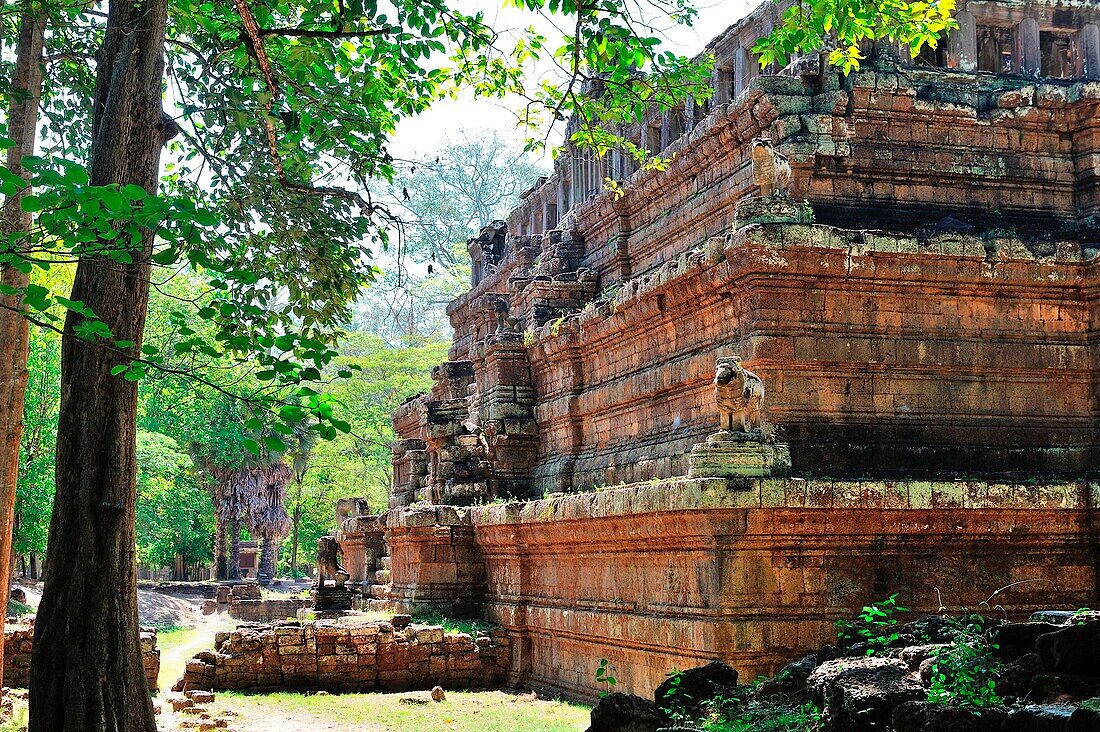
(154, 608)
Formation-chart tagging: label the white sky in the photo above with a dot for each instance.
(420, 137)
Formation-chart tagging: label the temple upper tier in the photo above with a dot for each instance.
(938, 317)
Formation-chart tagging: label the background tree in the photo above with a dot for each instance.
(174, 513)
(442, 202)
(35, 487)
(26, 89)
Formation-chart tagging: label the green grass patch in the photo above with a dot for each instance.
(453, 625)
(18, 609)
(177, 647)
(486, 711)
(19, 720)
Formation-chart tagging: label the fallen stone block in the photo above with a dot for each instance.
(626, 713)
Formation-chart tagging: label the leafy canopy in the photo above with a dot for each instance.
(842, 25)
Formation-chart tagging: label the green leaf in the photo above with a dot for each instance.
(274, 444)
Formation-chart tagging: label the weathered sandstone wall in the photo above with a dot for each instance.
(671, 574)
(348, 655)
(881, 354)
(962, 347)
(17, 655)
(267, 611)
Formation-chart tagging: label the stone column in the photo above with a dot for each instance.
(746, 69)
(1090, 50)
(550, 216)
(963, 43)
(1029, 59)
(723, 86)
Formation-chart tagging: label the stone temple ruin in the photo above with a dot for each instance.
(922, 312)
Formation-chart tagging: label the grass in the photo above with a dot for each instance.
(19, 719)
(452, 625)
(487, 711)
(177, 646)
(18, 609)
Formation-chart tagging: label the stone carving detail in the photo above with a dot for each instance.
(742, 448)
(771, 170)
(739, 395)
(328, 563)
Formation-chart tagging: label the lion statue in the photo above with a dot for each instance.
(771, 171)
(739, 394)
(328, 565)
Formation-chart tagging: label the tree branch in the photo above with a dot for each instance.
(310, 33)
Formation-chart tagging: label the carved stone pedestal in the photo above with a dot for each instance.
(771, 210)
(332, 599)
(739, 455)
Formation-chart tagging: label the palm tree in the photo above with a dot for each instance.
(263, 495)
(253, 494)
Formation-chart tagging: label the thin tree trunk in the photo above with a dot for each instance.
(26, 90)
(295, 522)
(86, 666)
(233, 568)
(34, 565)
(219, 546)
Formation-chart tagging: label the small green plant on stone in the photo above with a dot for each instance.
(875, 625)
(675, 700)
(1081, 615)
(966, 674)
(529, 337)
(605, 674)
(756, 717)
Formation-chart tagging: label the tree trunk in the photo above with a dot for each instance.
(34, 566)
(179, 568)
(86, 666)
(219, 547)
(268, 556)
(233, 568)
(26, 88)
(295, 522)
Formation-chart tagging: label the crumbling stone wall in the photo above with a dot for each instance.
(267, 611)
(347, 655)
(18, 643)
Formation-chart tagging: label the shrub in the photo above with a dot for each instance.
(874, 625)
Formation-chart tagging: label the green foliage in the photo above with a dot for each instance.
(874, 625)
(605, 674)
(758, 717)
(35, 484)
(18, 609)
(358, 462)
(965, 672)
(675, 700)
(443, 201)
(473, 628)
(842, 25)
(174, 513)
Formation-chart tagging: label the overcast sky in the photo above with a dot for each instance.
(421, 137)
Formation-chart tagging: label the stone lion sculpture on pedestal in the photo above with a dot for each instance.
(328, 563)
(771, 171)
(739, 394)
